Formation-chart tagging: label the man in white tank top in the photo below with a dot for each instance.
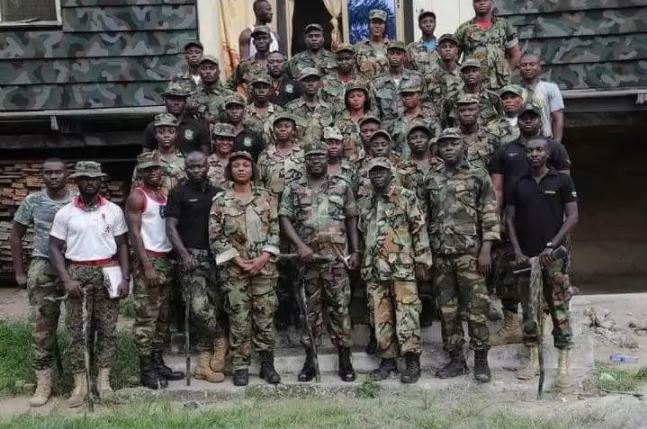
(154, 279)
(264, 14)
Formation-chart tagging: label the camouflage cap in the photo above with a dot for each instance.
(448, 36)
(332, 133)
(450, 134)
(148, 160)
(284, 116)
(356, 84)
(165, 120)
(531, 107)
(345, 47)
(396, 44)
(177, 89)
(312, 26)
(87, 169)
(209, 59)
(468, 99)
(222, 129)
(195, 43)
(513, 89)
(309, 71)
(315, 148)
(424, 13)
(369, 118)
(470, 62)
(418, 126)
(262, 78)
(382, 133)
(261, 29)
(378, 14)
(380, 161)
(240, 154)
(235, 99)
(410, 86)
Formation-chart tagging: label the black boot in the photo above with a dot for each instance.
(346, 371)
(412, 372)
(162, 369)
(308, 371)
(482, 372)
(149, 376)
(241, 377)
(457, 366)
(268, 373)
(371, 347)
(386, 368)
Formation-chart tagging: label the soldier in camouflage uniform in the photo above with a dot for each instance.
(193, 50)
(463, 224)
(368, 125)
(496, 47)
(43, 287)
(385, 90)
(413, 110)
(252, 66)
(153, 272)
(334, 84)
(168, 153)
(246, 139)
(371, 53)
(222, 147)
(283, 88)
(422, 54)
(506, 127)
(244, 235)
(480, 143)
(444, 79)
(79, 251)
(311, 113)
(260, 113)
(396, 253)
(319, 215)
(490, 106)
(338, 165)
(358, 106)
(380, 144)
(208, 100)
(315, 56)
(187, 226)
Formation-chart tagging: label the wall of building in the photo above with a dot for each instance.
(449, 14)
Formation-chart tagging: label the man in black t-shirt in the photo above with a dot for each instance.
(541, 211)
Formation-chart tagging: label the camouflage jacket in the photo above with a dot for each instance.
(172, 172)
(186, 76)
(394, 234)
(207, 103)
(481, 147)
(333, 90)
(245, 72)
(277, 170)
(303, 60)
(371, 61)
(420, 59)
(490, 107)
(386, 92)
(461, 209)
(311, 122)
(428, 116)
(504, 130)
(347, 171)
(216, 173)
(319, 215)
(364, 186)
(259, 124)
(490, 48)
(412, 177)
(440, 83)
(244, 228)
(353, 147)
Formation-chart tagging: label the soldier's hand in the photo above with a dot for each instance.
(546, 257)
(21, 279)
(520, 258)
(189, 262)
(151, 276)
(124, 288)
(422, 272)
(73, 289)
(354, 261)
(484, 263)
(306, 254)
(241, 263)
(257, 264)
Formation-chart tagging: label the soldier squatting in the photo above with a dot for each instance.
(423, 179)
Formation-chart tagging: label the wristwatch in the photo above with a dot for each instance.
(549, 245)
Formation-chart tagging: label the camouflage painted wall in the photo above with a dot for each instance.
(107, 53)
(599, 44)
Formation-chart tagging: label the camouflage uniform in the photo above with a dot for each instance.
(216, 173)
(246, 229)
(503, 129)
(348, 172)
(245, 72)
(353, 147)
(462, 215)
(490, 107)
(371, 60)
(261, 123)
(319, 217)
(326, 63)
(333, 90)
(420, 59)
(395, 240)
(311, 122)
(387, 93)
(412, 177)
(172, 172)
(428, 116)
(277, 170)
(442, 82)
(42, 282)
(208, 100)
(481, 147)
(489, 47)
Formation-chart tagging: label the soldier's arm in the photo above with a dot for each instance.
(124, 264)
(221, 248)
(235, 79)
(273, 233)
(419, 235)
(352, 214)
(512, 46)
(557, 124)
(135, 206)
(487, 212)
(18, 231)
(569, 199)
(286, 214)
(57, 259)
(243, 43)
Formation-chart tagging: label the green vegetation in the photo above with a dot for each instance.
(613, 378)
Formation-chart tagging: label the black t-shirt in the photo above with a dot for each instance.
(190, 204)
(287, 91)
(511, 161)
(251, 142)
(191, 136)
(539, 209)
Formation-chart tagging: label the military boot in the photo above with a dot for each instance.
(346, 371)
(162, 369)
(43, 388)
(204, 372)
(268, 373)
(531, 370)
(77, 397)
(371, 347)
(148, 376)
(411, 374)
(510, 333)
(103, 383)
(308, 372)
(482, 372)
(241, 377)
(457, 366)
(220, 347)
(563, 378)
(386, 368)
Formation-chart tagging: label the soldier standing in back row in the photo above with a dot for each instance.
(208, 100)
(315, 56)
(43, 287)
(371, 53)
(254, 65)
(333, 88)
(423, 55)
(283, 89)
(445, 79)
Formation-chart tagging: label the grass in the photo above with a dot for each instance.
(613, 378)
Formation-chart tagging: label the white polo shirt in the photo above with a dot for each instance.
(89, 235)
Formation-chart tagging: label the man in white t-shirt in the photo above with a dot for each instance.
(264, 14)
(88, 235)
(544, 94)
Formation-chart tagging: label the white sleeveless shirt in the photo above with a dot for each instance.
(274, 46)
(153, 229)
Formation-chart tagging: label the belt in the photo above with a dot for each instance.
(95, 263)
(157, 254)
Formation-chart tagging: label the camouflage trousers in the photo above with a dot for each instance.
(250, 303)
(152, 307)
(557, 295)
(102, 319)
(502, 279)
(396, 309)
(459, 285)
(327, 289)
(43, 284)
(205, 300)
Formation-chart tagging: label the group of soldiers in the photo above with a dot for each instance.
(422, 181)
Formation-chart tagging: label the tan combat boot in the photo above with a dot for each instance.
(43, 388)
(510, 333)
(77, 398)
(220, 347)
(204, 372)
(563, 378)
(103, 383)
(531, 370)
